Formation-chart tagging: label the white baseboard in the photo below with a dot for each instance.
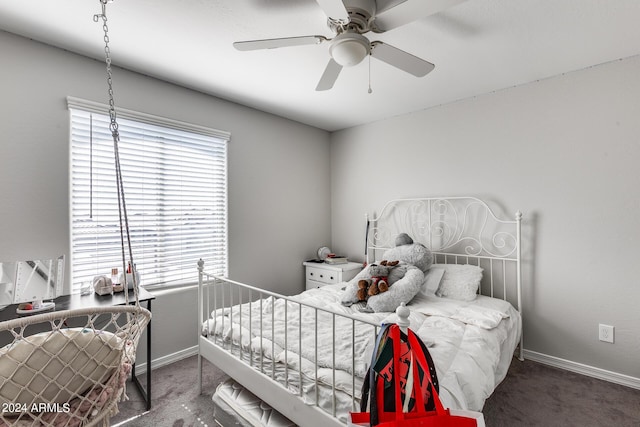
(168, 359)
(579, 368)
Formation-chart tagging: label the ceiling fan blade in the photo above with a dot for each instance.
(408, 11)
(383, 5)
(276, 43)
(334, 9)
(401, 59)
(329, 76)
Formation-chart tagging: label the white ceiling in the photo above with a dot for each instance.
(478, 46)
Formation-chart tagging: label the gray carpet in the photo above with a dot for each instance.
(175, 401)
(531, 395)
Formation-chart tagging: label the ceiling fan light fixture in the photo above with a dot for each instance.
(349, 49)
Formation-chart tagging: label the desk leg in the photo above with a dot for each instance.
(146, 394)
(149, 359)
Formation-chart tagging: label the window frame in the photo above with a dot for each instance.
(169, 124)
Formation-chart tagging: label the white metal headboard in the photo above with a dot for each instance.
(458, 230)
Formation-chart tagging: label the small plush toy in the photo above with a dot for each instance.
(378, 282)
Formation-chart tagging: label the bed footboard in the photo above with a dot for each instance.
(280, 347)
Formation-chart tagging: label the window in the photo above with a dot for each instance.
(175, 182)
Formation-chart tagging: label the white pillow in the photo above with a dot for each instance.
(81, 358)
(460, 282)
(432, 279)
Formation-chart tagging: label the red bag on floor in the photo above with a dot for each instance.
(413, 400)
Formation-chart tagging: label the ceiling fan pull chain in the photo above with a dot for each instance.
(370, 90)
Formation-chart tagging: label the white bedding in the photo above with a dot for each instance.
(471, 343)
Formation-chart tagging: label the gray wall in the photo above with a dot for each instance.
(272, 162)
(565, 151)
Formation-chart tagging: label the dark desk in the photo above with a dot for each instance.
(71, 302)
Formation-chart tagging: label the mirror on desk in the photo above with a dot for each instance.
(31, 281)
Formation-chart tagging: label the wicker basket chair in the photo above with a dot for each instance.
(68, 368)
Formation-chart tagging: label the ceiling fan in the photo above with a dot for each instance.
(350, 20)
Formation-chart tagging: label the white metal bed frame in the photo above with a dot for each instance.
(460, 230)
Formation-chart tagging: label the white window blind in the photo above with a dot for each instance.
(175, 182)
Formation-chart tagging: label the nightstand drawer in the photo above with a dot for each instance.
(322, 275)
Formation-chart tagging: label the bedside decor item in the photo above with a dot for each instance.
(323, 253)
(336, 259)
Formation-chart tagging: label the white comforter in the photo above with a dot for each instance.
(471, 343)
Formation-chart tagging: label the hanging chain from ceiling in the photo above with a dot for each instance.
(113, 126)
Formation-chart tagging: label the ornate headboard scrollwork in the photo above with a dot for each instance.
(447, 225)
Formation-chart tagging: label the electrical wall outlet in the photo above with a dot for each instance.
(605, 333)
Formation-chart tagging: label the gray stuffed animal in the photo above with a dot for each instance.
(409, 252)
(404, 280)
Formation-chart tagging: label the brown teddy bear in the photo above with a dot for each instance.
(378, 282)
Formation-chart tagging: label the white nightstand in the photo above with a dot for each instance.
(319, 274)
